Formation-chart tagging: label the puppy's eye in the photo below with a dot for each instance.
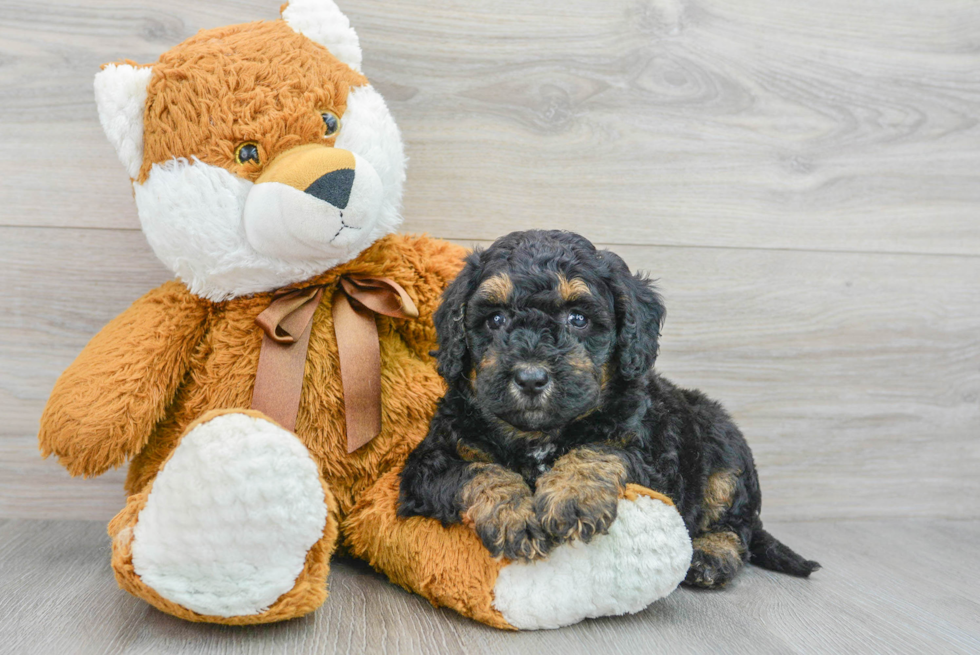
(496, 321)
(331, 122)
(247, 152)
(577, 320)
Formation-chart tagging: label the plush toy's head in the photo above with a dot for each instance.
(260, 156)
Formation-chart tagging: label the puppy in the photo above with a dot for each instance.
(547, 346)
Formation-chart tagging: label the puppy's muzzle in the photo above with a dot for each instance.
(532, 381)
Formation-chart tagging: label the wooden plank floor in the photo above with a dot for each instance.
(898, 586)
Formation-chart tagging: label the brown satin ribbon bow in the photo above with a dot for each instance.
(287, 323)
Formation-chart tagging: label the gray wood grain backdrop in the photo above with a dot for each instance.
(803, 179)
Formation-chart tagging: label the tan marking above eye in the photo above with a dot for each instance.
(496, 289)
(572, 289)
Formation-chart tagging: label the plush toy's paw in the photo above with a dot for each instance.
(575, 507)
(643, 557)
(227, 526)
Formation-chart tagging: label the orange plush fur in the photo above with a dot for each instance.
(275, 105)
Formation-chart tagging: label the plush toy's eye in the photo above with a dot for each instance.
(577, 320)
(331, 122)
(496, 321)
(247, 152)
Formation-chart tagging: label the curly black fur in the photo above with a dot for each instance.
(548, 347)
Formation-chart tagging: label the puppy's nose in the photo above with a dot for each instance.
(532, 380)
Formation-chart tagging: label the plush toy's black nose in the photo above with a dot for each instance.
(532, 380)
(334, 187)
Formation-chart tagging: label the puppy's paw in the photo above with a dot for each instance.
(705, 572)
(578, 498)
(568, 513)
(513, 532)
(717, 559)
(499, 508)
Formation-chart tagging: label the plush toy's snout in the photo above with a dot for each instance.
(312, 201)
(308, 168)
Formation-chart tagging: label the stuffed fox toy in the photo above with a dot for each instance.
(265, 167)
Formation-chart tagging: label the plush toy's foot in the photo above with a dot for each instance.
(644, 557)
(237, 527)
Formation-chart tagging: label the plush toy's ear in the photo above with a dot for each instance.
(453, 358)
(323, 22)
(120, 94)
(640, 314)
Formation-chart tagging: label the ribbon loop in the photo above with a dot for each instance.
(287, 324)
(381, 295)
(289, 314)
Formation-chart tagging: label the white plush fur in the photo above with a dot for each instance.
(230, 518)
(644, 557)
(290, 225)
(323, 22)
(193, 213)
(120, 95)
(368, 130)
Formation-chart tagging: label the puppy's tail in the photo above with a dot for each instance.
(770, 553)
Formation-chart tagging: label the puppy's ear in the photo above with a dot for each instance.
(453, 357)
(640, 314)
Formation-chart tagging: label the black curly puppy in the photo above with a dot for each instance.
(547, 346)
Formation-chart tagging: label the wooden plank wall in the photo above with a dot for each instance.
(804, 181)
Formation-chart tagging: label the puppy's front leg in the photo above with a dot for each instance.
(496, 502)
(578, 497)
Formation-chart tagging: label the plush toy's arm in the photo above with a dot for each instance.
(105, 405)
(435, 263)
